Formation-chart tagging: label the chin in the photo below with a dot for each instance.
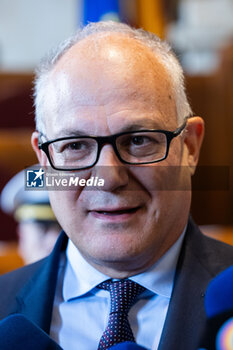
(115, 254)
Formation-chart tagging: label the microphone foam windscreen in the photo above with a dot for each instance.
(219, 294)
(18, 333)
(128, 345)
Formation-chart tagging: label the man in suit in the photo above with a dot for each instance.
(111, 104)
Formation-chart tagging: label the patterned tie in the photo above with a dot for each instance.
(123, 294)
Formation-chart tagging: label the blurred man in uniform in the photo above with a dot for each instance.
(37, 227)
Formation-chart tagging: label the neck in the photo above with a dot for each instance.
(126, 268)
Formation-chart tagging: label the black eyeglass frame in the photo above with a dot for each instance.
(111, 139)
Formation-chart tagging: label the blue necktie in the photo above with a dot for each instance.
(123, 294)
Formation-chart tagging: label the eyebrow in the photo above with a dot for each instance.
(67, 133)
(138, 126)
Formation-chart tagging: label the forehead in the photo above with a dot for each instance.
(112, 73)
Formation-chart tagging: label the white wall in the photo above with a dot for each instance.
(204, 26)
(29, 28)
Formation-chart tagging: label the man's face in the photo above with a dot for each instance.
(103, 86)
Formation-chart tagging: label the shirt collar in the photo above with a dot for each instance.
(80, 277)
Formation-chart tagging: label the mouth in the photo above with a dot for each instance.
(117, 212)
(114, 214)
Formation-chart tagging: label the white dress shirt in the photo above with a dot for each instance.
(80, 312)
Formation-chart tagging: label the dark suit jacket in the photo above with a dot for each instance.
(31, 289)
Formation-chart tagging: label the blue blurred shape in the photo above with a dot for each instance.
(100, 10)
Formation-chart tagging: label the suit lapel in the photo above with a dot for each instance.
(35, 300)
(186, 315)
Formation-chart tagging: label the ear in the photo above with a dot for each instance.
(42, 158)
(193, 138)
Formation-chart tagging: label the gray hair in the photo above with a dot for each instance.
(160, 48)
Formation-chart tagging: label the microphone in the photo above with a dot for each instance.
(218, 334)
(18, 333)
(127, 345)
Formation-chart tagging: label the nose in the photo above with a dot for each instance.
(111, 170)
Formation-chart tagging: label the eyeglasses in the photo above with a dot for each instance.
(82, 152)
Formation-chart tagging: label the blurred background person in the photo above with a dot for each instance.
(37, 227)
